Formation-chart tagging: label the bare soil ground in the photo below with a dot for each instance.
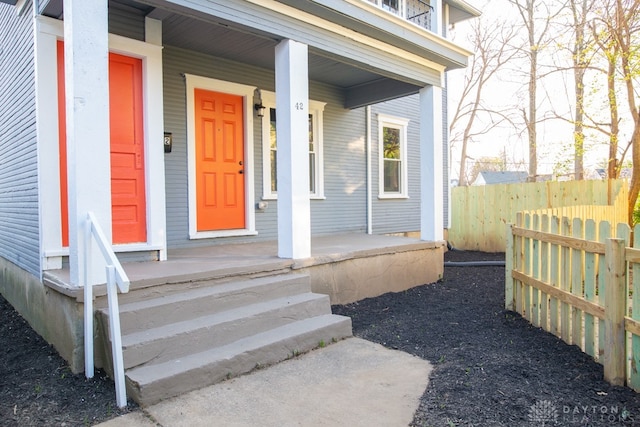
(492, 368)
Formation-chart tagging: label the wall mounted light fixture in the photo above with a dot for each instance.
(260, 109)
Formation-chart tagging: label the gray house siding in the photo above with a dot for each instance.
(445, 155)
(344, 209)
(19, 217)
(178, 62)
(397, 215)
(344, 206)
(126, 21)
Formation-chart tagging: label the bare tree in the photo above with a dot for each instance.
(579, 47)
(532, 13)
(618, 31)
(579, 12)
(610, 50)
(490, 46)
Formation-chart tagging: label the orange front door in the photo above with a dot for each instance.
(219, 140)
(128, 200)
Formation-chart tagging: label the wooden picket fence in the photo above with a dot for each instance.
(579, 280)
(479, 214)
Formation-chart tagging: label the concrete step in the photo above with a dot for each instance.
(193, 335)
(180, 341)
(151, 383)
(192, 303)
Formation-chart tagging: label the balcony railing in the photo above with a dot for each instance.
(417, 11)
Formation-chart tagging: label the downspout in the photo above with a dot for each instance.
(368, 156)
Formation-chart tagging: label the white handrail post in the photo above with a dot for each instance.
(116, 339)
(88, 303)
(116, 279)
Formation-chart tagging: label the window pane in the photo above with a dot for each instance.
(273, 153)
(272, 128)
(312, 173)
(274, 171)
(391, 5)
(392, 176)
(391, 139)
(311, 140)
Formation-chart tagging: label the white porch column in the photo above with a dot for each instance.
(87, 108)
(437, 16)
(292, 130)
(431, 161)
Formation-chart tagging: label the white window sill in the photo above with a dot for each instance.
(392, 196)
(275, 198)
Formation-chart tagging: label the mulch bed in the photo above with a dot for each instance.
(491, 367)
(37, 387)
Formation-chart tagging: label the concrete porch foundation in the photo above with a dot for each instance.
(347, 267)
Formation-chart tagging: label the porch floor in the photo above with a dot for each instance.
(222, 260)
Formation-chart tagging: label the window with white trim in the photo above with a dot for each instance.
(270, 149)
(394, 6)
(392, 137)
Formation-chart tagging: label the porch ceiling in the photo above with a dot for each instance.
(257, 50)
(187, 29)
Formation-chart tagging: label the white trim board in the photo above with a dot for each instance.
(246, 92)
(48, 32)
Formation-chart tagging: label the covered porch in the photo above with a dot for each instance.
(209, 297)
(347, 267)
(337, 61)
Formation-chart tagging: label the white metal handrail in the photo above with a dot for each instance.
(116, 279)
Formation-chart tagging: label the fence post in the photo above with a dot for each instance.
(508, 280)
(614, 334)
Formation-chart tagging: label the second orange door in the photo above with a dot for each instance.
(219, 140)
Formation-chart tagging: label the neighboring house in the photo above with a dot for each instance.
(159, 116)
(500, 177)
(601, 173)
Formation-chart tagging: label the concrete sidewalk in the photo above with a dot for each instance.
(351, 383)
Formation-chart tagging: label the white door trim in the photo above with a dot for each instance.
(48, 32)
(246, 92)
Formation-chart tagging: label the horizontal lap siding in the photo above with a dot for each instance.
(343, 210)
(126, 21)
(345, 169)
(397, 215)
(19, 218)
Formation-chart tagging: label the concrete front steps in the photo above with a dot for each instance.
(186, 340)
